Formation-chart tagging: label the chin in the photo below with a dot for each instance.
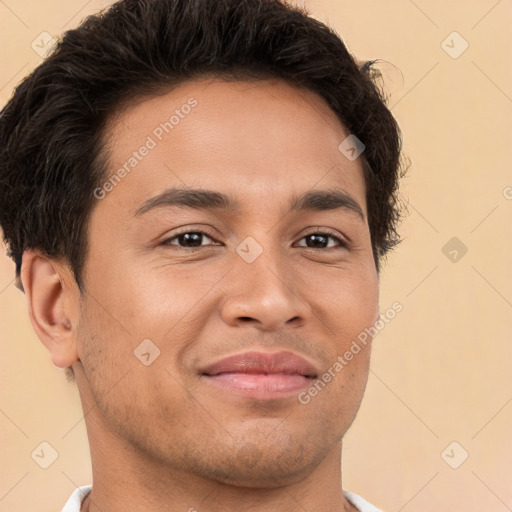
(259, 465)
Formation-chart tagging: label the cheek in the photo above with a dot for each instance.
(108, 333)
(133, 302)
(169, 305)
(346, 299)
(118, 379)
(103, 345)
(360, 302)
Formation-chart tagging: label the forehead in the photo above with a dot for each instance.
(251, 139)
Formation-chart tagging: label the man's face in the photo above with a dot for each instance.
(257, 279)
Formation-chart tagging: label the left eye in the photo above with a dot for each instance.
(322, 239)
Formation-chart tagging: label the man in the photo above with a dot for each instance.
(198, 196)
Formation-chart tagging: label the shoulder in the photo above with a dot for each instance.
(360, 503)
(75, 500)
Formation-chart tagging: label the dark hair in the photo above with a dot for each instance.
(52, 148)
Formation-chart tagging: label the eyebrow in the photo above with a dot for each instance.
(202, 199)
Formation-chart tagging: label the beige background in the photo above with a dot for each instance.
(441, 369)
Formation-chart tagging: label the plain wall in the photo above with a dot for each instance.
(440, 370)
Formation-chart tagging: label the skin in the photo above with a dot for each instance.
(161, 437)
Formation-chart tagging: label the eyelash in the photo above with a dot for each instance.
(343, 244)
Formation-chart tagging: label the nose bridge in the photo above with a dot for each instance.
(263, 289)
(265, 267)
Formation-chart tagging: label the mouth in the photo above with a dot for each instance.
(261, 375)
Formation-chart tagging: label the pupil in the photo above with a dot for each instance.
(193, 239)
(321, 238)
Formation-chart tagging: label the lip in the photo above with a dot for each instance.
(261, 375)
(254, 362)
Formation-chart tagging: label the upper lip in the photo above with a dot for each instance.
(284, 362)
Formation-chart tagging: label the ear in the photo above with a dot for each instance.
(53, 305)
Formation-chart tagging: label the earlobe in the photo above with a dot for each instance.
(50, 303)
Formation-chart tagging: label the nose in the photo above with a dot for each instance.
(264, 294)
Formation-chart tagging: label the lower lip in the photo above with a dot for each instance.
(261, 386)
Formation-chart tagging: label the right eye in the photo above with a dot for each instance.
(189, 239)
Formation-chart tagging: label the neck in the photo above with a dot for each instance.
(124, 480)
